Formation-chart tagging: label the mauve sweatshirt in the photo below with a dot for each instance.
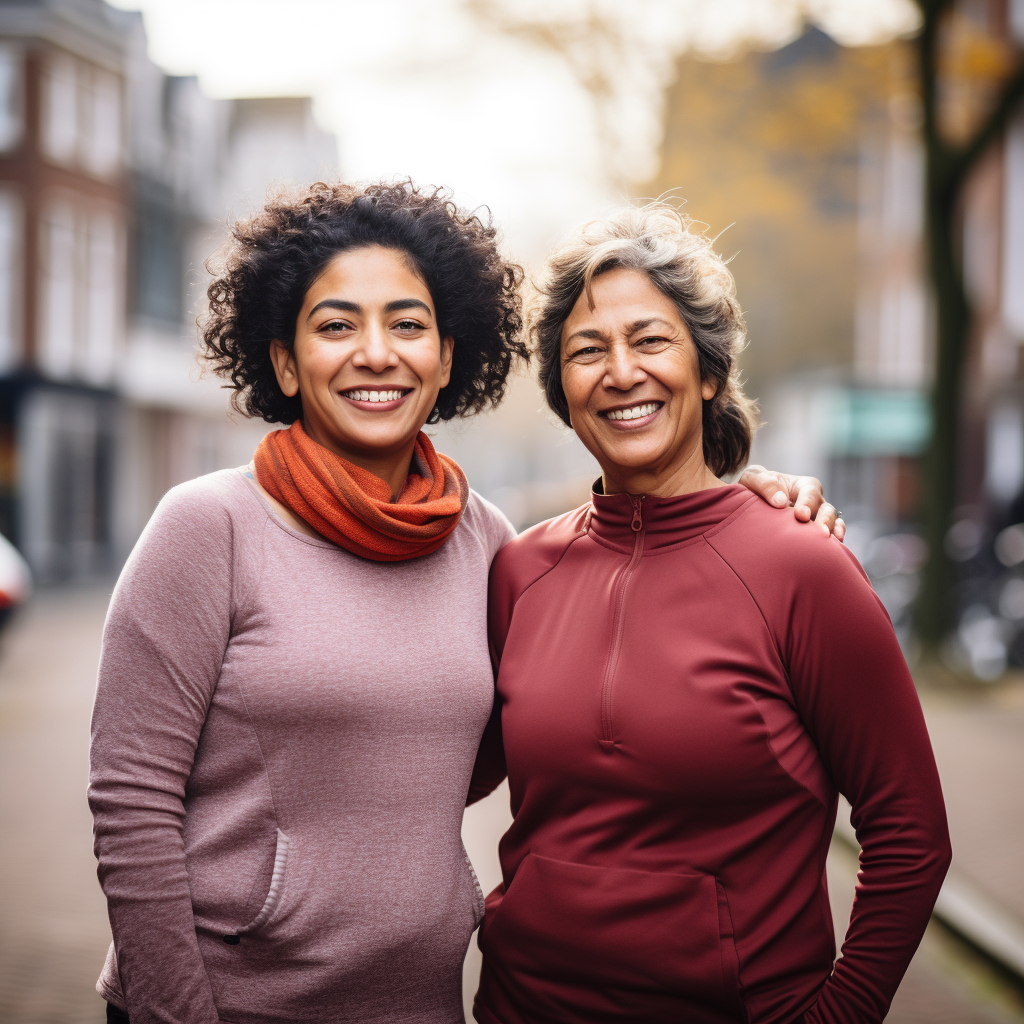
(282, 743)
(686, 685)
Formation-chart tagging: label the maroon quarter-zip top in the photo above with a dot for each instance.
(685, 686)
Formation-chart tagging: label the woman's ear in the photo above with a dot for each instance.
(447, 350)
(285, 370)
(708, 390)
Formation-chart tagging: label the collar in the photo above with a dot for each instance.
(616, 519)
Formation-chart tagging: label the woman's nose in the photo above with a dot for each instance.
(622, 369)
(375, 352)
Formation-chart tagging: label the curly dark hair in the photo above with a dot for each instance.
(276, 255)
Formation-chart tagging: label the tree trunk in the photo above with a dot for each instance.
(947, 168)
(935, 608)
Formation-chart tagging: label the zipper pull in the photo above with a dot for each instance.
(638, 524)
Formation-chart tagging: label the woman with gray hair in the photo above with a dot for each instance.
(687, 680)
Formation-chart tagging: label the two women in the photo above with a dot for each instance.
(295, 673)
(686, 682)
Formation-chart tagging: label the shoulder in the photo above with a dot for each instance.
(775, 555)
(186, 555)
(523, 561)
(488, 523)
(223, 490)
(537, 550)
(203, 511)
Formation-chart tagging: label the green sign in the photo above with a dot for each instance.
(876, 422)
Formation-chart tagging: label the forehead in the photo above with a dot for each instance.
(368, 276)
(620, 297)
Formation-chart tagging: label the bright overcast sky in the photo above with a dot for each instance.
(418, 87)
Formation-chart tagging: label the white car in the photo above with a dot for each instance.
(15, 578)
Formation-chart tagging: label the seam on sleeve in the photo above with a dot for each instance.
(265, 525)
(785, 675)
(757, 605)
(579, 535)
(259, 748)
(478, 528)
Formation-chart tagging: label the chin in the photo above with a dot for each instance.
(636, 455)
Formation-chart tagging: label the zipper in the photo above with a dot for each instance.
(637, 526)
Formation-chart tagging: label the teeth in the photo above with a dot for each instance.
(372, 396)
(634, 412)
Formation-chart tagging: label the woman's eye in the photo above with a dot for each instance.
(334, 326)
(590, 350)
(652, 341)
(408, 325)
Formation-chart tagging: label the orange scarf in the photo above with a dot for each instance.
(353, 507)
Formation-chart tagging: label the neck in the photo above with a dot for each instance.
(680, 477)
(391, 465)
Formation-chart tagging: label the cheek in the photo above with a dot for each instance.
(682, 375)
(316, 361)
(576, 388)
(425, 360)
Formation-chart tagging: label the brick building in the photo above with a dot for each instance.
(116, 182)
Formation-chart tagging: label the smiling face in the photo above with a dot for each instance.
(368, 360)
(632, 383)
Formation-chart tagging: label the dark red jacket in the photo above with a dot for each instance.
(685, 686)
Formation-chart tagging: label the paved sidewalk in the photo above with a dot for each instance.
(53, 932)
(978, 738)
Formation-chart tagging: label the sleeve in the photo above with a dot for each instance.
(489, 770)
(497, 528)
(857, 699)
(520, 563)
(163, 645)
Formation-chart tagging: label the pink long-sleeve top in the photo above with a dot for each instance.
(686, 685)
(283, 739)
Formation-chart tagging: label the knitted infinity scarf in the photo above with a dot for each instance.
(353, 507)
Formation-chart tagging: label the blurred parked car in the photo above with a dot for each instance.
(15, 579)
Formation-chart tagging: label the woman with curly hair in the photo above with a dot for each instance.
(295, 673)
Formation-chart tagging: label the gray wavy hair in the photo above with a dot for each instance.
(659, 241)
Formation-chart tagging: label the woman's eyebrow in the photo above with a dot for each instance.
(341, 304)
(641, 325)
(586, 332)
(396, 304)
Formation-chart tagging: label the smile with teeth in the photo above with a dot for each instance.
(362, 395)
(634, 412)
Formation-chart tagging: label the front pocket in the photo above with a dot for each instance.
(273, 900)
(635, 940)
(478, 893)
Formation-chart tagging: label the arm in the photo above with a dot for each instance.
(489, 770)
(802, 492)
(164, 640)
(858, 701)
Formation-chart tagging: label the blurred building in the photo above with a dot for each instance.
(810, 156)
(116, 183)
(807, 160)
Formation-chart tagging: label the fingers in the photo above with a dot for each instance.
(772, 487)
(803, 492)
(826, 517)
(808, 499)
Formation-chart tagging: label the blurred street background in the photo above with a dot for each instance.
(861, 161)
